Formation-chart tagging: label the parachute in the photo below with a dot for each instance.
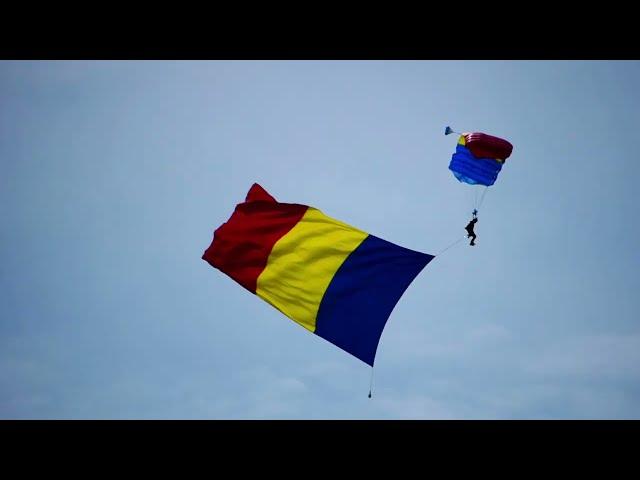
(478, 158)
(477, 161)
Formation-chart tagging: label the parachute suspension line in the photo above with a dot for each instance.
(484, 192)
(479, 197)
(371, 382)
(475, 198)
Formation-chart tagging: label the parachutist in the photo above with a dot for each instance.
(469, 228)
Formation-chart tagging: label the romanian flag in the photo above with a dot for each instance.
(333, 279)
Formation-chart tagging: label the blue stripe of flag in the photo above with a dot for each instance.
(363, 292)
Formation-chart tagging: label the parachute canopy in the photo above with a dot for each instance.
(479, 158)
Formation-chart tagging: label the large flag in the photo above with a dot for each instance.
(336, 281)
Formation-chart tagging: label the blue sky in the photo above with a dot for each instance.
(115, 174)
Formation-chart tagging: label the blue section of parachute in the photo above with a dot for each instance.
(472, 170)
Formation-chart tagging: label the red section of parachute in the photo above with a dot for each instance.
(487, 146)
(241, 246)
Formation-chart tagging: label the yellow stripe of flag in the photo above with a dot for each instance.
(302, 264)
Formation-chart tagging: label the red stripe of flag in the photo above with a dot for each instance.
(241, 246)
